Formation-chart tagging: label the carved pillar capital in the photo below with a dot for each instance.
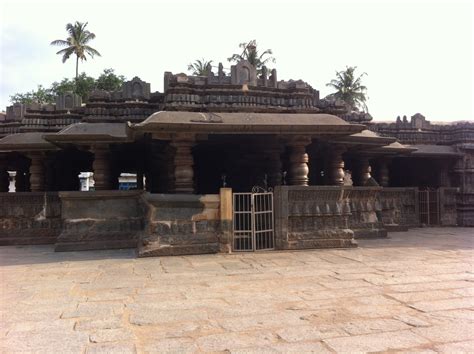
(298, 160)
(183, 163)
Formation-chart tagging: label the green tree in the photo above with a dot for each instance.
(82, 85)
(251, 54)
(40, 95)
(349, 88)
(109, 81)
(200, 67)
(76, 43)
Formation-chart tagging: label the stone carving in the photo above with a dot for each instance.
(37, 181)
(136, 89)
(68, 101)
(101, 167)
(298, 173)
(183, 162)
(243, 73)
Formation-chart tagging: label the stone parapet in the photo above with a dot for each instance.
(312, 217)
(29, 218)
(100, 220)
(178, 224)
(399, 208)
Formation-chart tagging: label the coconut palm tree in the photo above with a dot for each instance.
(251, 54)
(76, 43)
(200, 67)
(349, 88)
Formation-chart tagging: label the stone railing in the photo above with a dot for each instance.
(29, 218)
(364, 217)
(399, 208)
(312, 217)
(181, 224)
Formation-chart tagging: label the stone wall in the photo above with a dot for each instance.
(312, 217)
(179, 224)
(399, 208)
(447, 206)
(29, 218)
(100, 220)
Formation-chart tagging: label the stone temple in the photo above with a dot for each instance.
(222, 163)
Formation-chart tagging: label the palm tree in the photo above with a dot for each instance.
(349, 88)
(250, 53)
(200, 67)
(76, 43)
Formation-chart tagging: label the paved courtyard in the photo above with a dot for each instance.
(413, 291)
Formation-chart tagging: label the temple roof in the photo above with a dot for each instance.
(26, 142)
(246, 123)
(90, 133)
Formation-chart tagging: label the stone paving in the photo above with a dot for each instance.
(411, 292)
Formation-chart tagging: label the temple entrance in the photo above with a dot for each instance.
(253, 221)
(429, 206)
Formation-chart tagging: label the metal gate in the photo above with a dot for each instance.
(429, 206)
(253, 221)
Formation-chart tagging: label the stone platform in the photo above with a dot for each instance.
(410, 292)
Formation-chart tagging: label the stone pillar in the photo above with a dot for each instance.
(361, 171)
(20, 181)
(298, 161)
(335, 167)
(4, 177)
(382, 172)
(102, 167)
(37, 169)
(183, 163)
(140, 180)
(273, 166)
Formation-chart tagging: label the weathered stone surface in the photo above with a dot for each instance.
(311, 301)
(377, 342)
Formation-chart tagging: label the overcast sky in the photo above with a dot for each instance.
(418, 54)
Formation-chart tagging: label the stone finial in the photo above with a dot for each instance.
(405, 120)
(220, 72)
(399, 120)
(265, 75)
(273, 79)
(166, 80)
(67, 101)
(209, 70)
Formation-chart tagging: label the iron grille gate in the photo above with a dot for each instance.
(253, 221)
(429, 206)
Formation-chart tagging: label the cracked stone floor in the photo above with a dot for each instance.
(411, 292)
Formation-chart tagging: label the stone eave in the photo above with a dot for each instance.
(245, 123)
(31, 141)
(90, 133)
(434, 151)
(366, 138)
(394, 148)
